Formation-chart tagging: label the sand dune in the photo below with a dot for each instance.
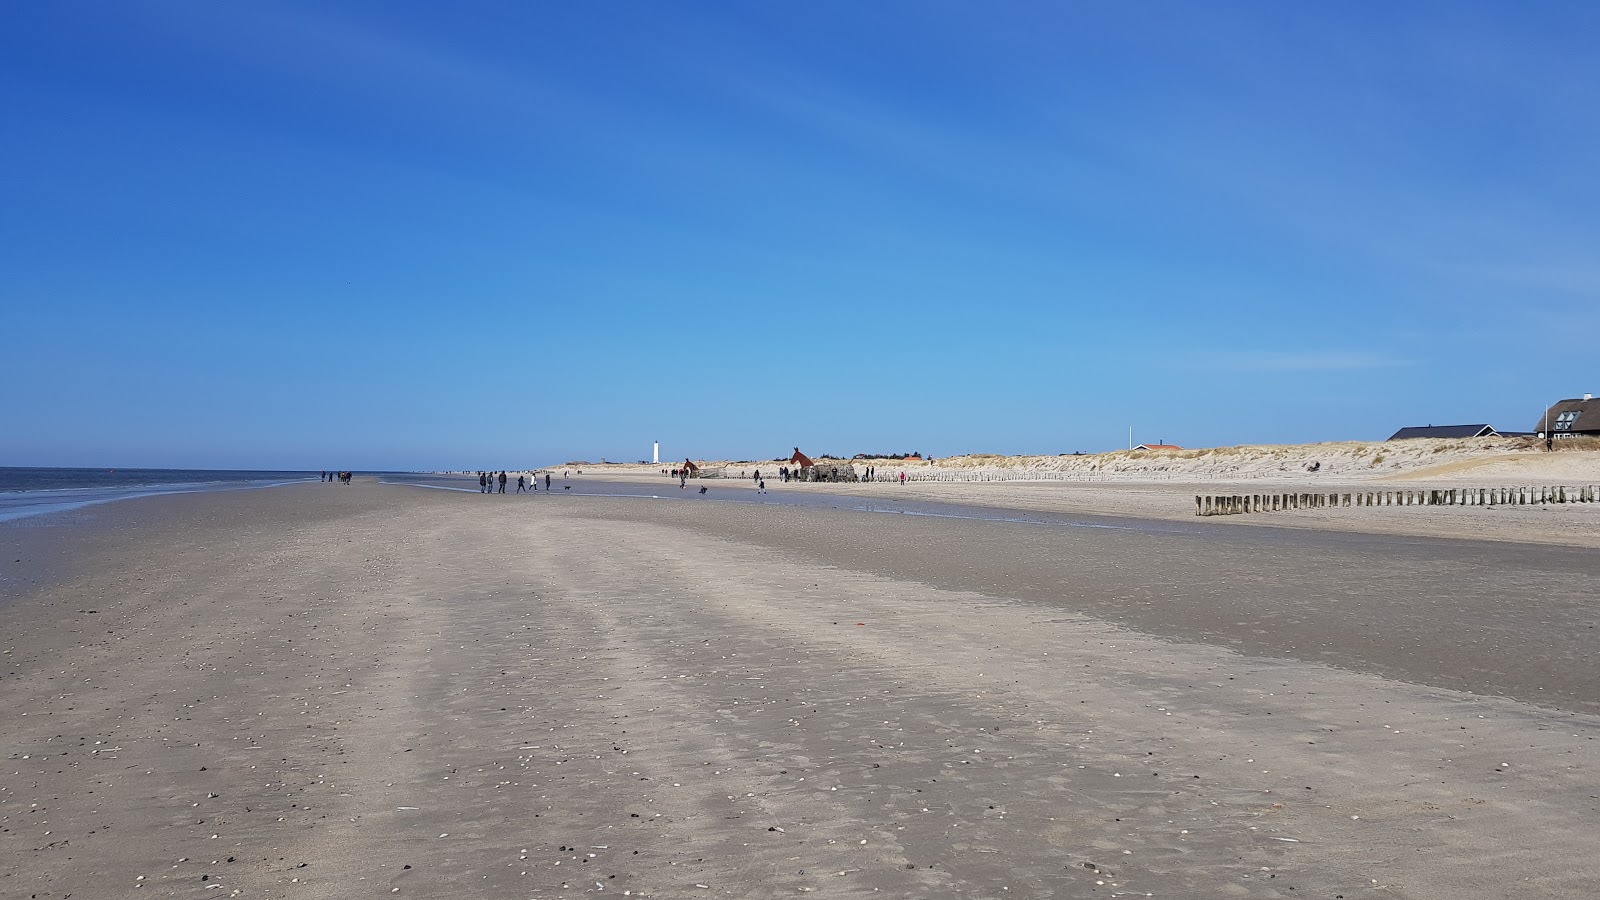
(1163, 485)
(1424, 458)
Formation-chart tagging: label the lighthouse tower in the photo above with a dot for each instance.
(655, 454)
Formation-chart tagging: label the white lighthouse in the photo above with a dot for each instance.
(655, 454)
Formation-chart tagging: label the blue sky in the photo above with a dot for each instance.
(410, 236)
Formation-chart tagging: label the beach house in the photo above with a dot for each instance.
(1571, 418)
(1443, 431)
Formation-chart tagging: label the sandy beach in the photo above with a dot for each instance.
(1163, 485)
(1179, 463)
(324, 691)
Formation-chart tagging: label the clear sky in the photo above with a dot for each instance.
(384, 235)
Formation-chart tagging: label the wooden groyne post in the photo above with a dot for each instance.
(1240, 504)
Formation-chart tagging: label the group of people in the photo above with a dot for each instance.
(869, 473)
(488, 481)
(832, 473)
(343, 477)
(787, 474)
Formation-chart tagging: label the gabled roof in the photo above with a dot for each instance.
(1586, 418)
(1158, 447)
(1443, 431)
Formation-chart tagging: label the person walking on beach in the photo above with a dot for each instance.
(521, 484)
(547, 482)
(483, 482)
(761, 486)
(902, 479)
(502, 482)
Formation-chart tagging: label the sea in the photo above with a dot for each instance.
(28, 492)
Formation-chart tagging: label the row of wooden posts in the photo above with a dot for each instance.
(1236, 504)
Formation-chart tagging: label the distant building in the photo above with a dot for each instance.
(822, 469)
(1158, 447)
(1571, 418)
(1444, 431)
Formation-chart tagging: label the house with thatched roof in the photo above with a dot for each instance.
(1571, 418)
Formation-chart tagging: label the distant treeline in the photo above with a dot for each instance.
(915, 454)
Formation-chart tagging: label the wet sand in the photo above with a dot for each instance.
(329, 691)
(1569, 524)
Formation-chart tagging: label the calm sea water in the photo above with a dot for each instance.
(31, 492)
(23, 479)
